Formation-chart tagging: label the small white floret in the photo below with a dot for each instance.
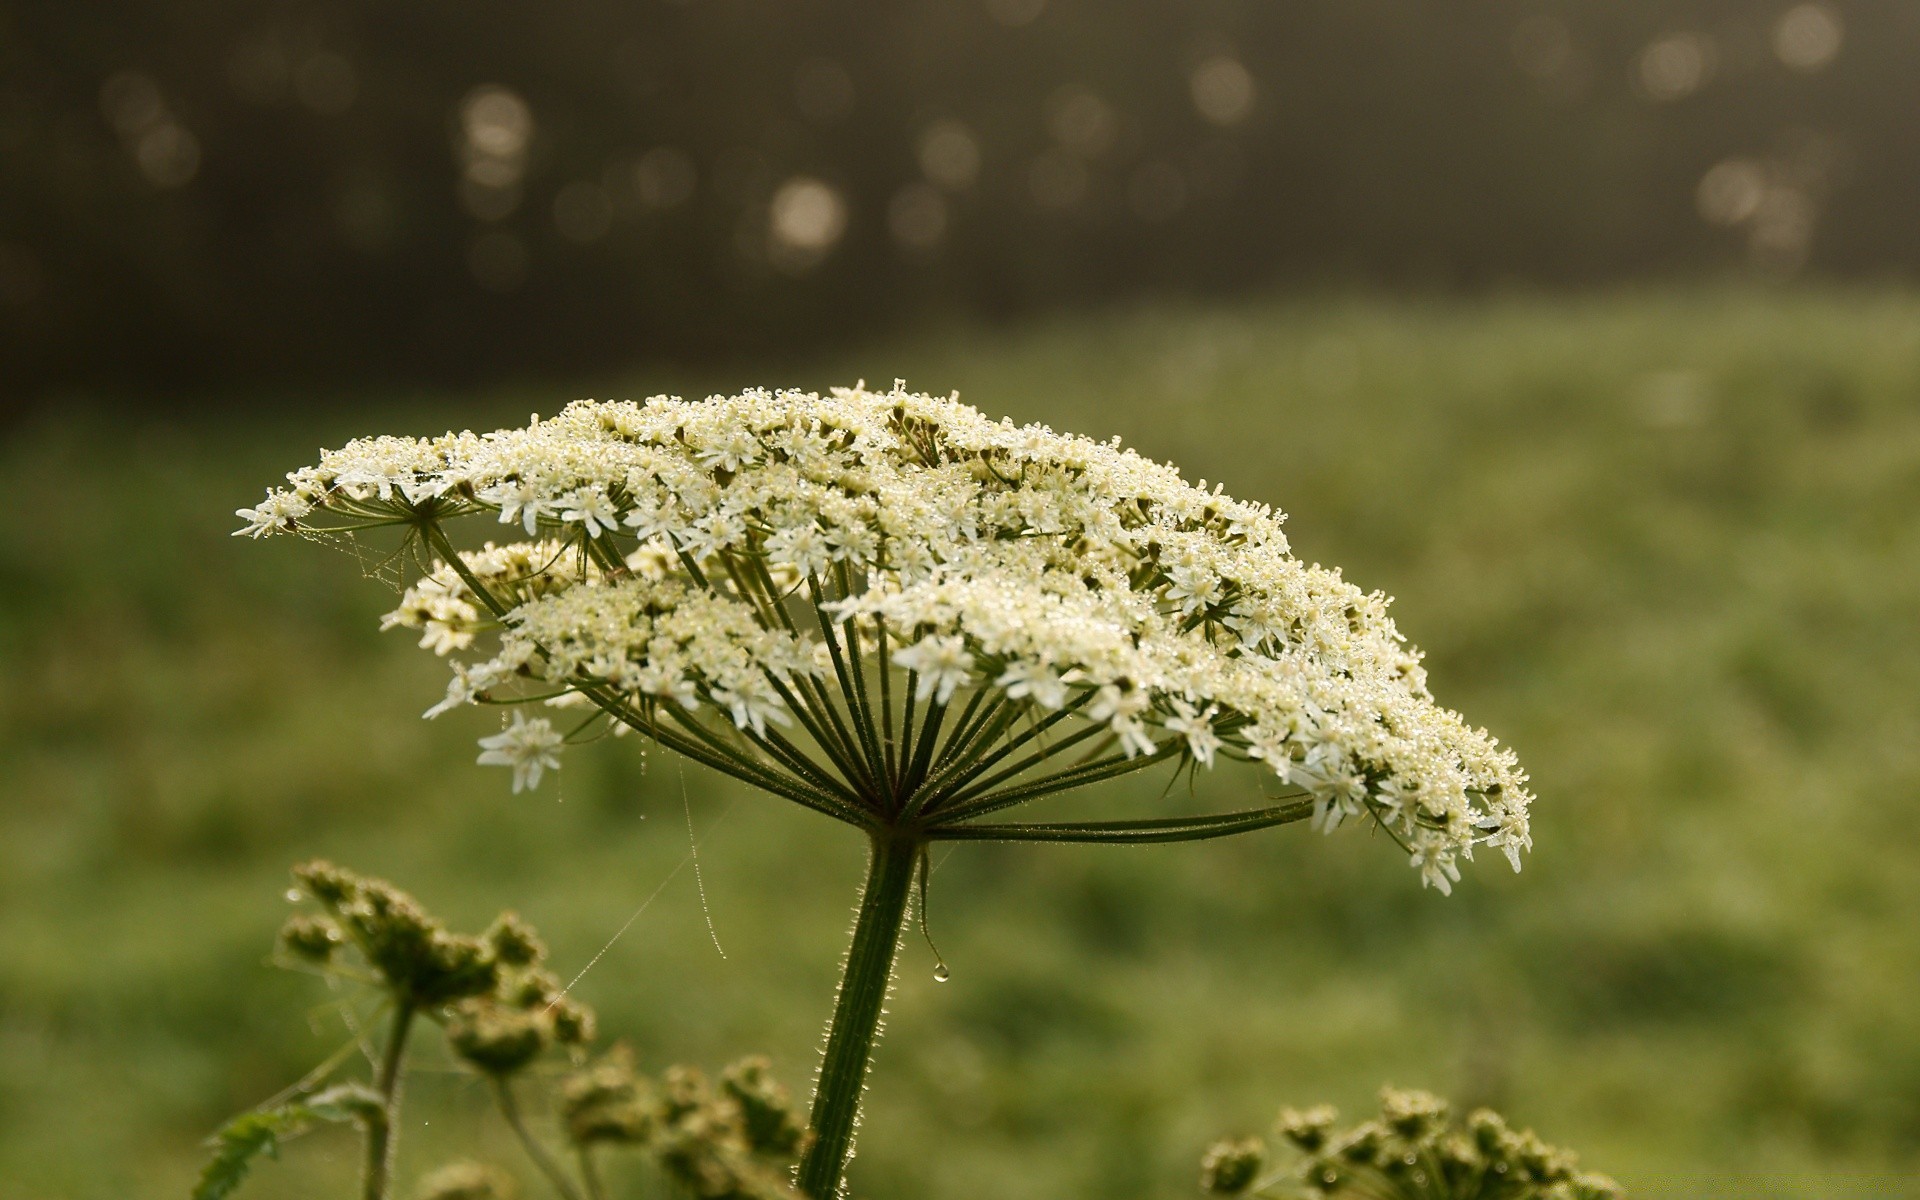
(529, 747)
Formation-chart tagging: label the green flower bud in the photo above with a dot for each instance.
(1413, 1115)
(1308, 1130)
(608, 1102)
(467, 1181)
(514, 942)
(683, 1091)
(494, 1038)
(766, 1109)
(457, 966)
(310, 939)
(1231, 1167)
(532, 989)
(573, 1023)
(1488, 1130)
(330, 885)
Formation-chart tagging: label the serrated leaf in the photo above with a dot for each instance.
(253, 1134)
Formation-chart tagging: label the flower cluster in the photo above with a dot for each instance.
(708, 571)
(1411, 1151)
(501, 1011)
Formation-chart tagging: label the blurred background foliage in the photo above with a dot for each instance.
(215, 194)
(1663, 542)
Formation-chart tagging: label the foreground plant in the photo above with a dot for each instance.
(1411, 1151)
(500, 1012)
(897, 613)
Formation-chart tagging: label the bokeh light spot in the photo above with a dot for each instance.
(950, 155)
(1222, 90)
(805, 220)
(1675, 66)
(131, 103)
(1081, 121)
(497, 122)
(1808, 37)
(1731, 191)
(168, 155)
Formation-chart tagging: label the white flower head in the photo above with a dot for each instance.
(529, 747)
(1197, 728)
(943, 664)
(749, 579)
(1033, 679)
(590, 508)
(279, 512)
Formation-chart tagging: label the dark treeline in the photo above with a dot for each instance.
(216, 193)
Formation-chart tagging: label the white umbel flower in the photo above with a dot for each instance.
(943, 663)
(529, 747)
(748, 578)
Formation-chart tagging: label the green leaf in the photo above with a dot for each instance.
(252, 1134)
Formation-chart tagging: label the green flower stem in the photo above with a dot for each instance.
(856, 1013)
(510, 1109)
(1131, 833)
(377, 1168)
(975, 805)
(590, 1175)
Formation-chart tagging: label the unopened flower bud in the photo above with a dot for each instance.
(309, 938)
(684, 1089)
(514, 942)
(1231, 1167)
(494, 1038)
(607, 1102)
(458, 966)
(766, 1108)
(330, 885)
(532, 989)
(573, 1023)
(1411, 1114)
(1307, 1130)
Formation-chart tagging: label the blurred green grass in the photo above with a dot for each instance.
(1665, 543)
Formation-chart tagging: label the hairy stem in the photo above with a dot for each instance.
(377, 1167)
(590, 1175)
(856, 1013)
(510, 1109)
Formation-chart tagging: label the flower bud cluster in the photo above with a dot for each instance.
(668, 541)
(412, 955)
(733, 1142)
(1411, 1151)
(500, 1009)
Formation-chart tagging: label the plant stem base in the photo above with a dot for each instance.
(857, 1012)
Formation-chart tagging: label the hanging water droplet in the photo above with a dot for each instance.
(293, 895)
(941, 974)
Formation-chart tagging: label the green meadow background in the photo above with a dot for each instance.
(1666, 543)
